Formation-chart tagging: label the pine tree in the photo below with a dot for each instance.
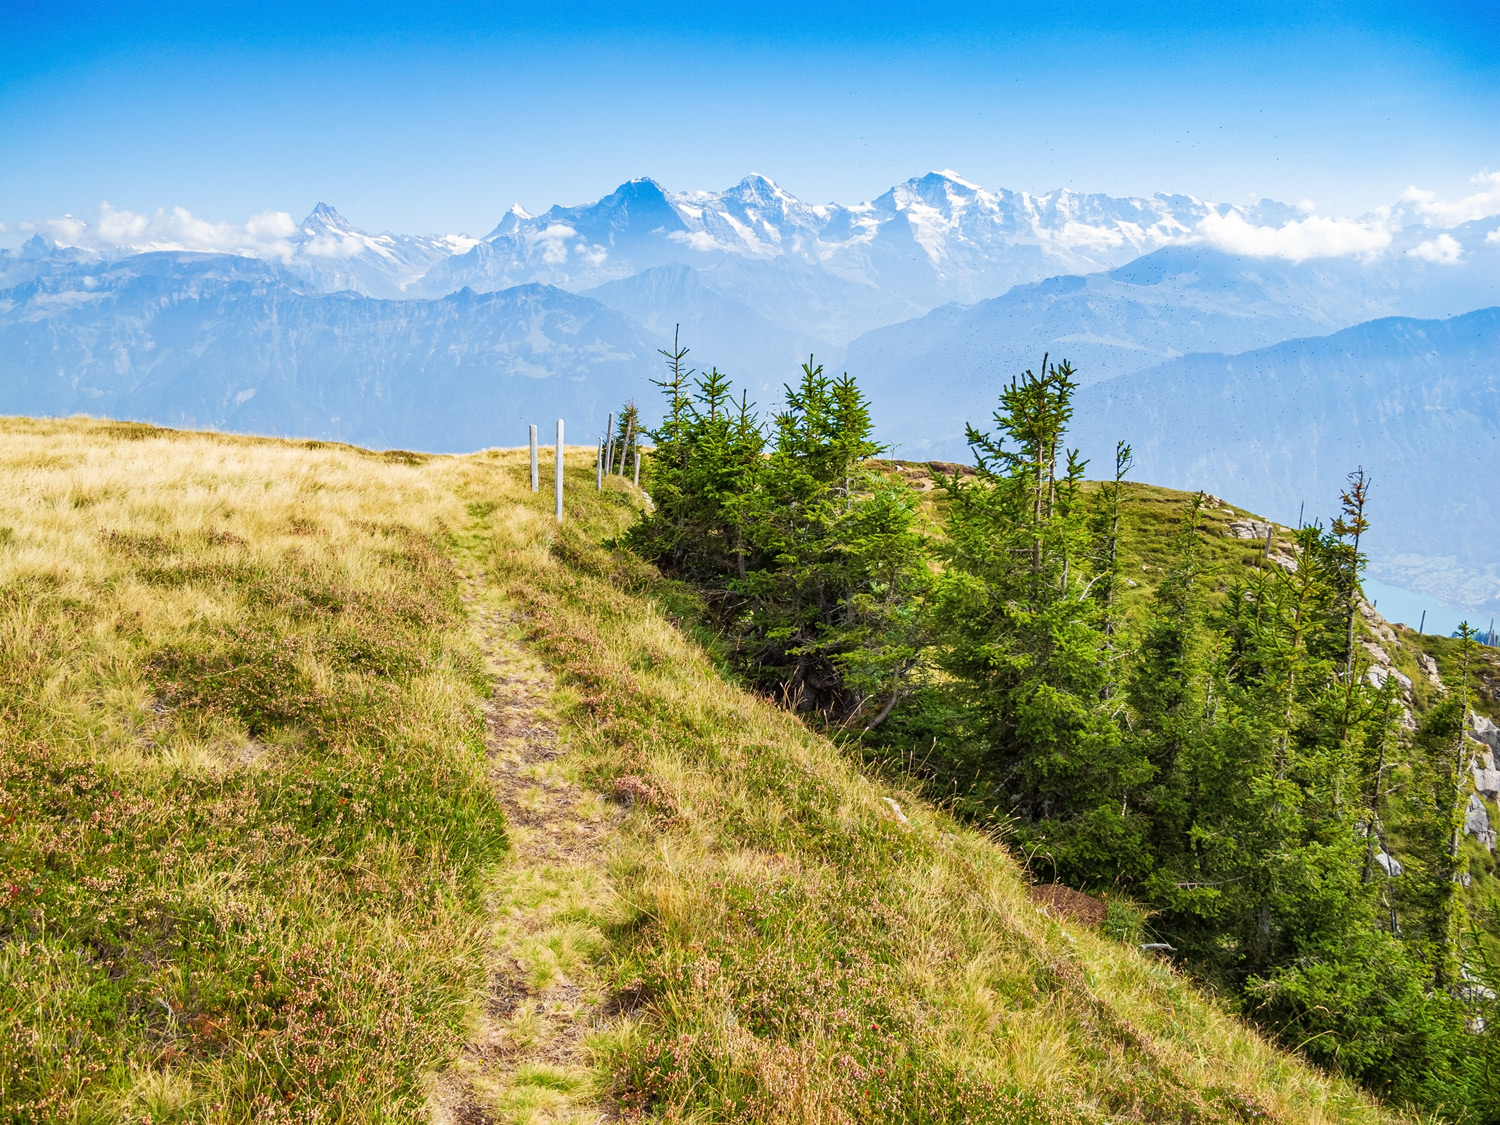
(1025, 638)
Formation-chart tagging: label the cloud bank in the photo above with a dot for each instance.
(1436, 212)
(266, 235)
(1297, 240)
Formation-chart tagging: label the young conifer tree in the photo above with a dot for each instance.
(1025, 639)
(832, 609)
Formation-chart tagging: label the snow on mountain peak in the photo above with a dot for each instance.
(933, 238)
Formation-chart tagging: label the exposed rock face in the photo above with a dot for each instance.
(1378, 624)
(1247, 529)
(1378, 674)
(1477, 822)
(1377, 654)
(1487, 779)
(1484, 730)
(1389, 864)
(1429, 665)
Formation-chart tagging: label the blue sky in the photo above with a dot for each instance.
(436, 117)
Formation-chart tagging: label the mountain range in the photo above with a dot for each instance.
(934, 294)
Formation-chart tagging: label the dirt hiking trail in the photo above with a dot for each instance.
(527, 1061)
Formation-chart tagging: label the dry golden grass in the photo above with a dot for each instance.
(245, 815)
(253, 864)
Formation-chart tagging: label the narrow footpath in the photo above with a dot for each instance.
(527, 1061)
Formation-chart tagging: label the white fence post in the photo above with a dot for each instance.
(535, 481)
(557, 485)
(638, 466)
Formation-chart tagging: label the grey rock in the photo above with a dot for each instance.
(1487, 781)
(1389, 864)
(1484, 730)
(1247, 529)
(1477, 822)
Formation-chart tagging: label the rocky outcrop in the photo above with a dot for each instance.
(1487, 778)
(1484, 730)
(1247, 529)
(1430, 667)
(1477, 822)
(1378, 624)
(1377, 675)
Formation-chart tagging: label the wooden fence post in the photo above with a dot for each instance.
(599, 467)
(629, 432)
(557, 483)
(535, 482)
(638, 466)
(609, 446)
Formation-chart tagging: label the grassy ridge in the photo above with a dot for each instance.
(252, 861)
(791, 945)
(244, 817)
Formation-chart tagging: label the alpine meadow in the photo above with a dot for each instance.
(994, 625)
(790, 784)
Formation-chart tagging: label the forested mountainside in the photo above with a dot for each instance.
(1206, 721)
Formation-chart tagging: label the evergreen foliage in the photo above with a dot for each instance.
(1229, 759)
(812, 563)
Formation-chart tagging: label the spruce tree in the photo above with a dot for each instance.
(1025, 639)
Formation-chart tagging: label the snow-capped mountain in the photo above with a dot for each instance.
(933, 239)
(328, 252)
(332, 254)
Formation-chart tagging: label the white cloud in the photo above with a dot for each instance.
(266, 235)
(1449, 213)
(553, 242)
(1312, 237)
(1493, 236)
(1443, 249)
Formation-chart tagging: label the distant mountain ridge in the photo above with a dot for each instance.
(934, 294)
(933, 239)
(233, 343)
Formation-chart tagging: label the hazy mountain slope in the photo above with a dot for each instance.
(756, 352)
(234, 343)
(930, 375)
(1416, 403)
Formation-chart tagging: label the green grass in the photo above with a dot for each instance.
(244, 819)
(254, 870)
(790, 950)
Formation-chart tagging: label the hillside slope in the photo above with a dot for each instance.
(1415, 402)
(932, 374)
(256, 658)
